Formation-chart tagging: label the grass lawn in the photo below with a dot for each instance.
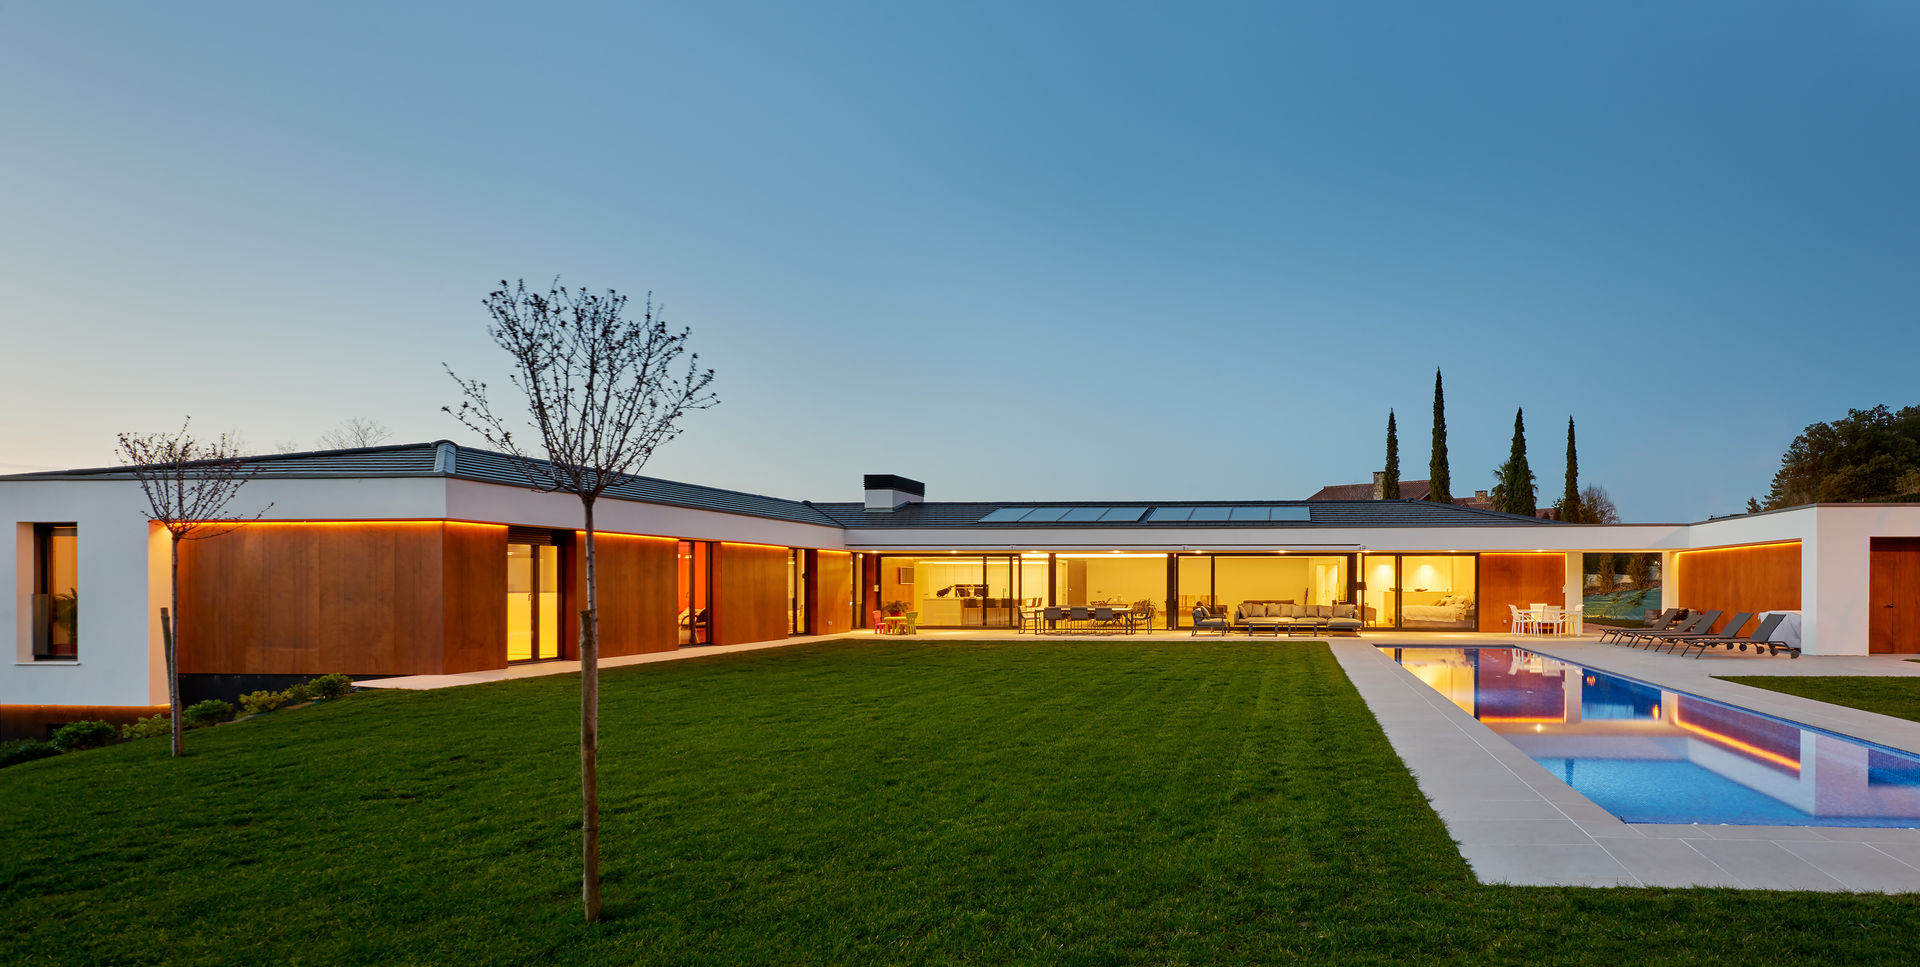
(1898, 697)
(841, 803)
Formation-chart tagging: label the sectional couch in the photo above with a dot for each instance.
(1285, 615)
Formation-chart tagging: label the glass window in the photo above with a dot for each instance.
(1134, 581)
(1382, 591)
(1196, 587)
(56, 592)
(1437, 592)
(694, 578)
(1170, 513)
(1211, 513)
(1279, 578)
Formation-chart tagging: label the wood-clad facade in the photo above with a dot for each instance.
(1519, 580)
(750, 593)
(1893, 596)
(1753, 578)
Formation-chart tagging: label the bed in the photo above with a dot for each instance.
(1450, 609)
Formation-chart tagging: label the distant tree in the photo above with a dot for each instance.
(356, 432)
(189, 484)
(1440, 483)
(1597, 506)
(1569, 504)
(1864, 456)
(286, 446)
(603, 392)
(1604, 572)
(1390, 490)
(1640, 571)
(1753, 506)
(1513, 481)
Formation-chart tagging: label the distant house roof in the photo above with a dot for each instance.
(1409, 490)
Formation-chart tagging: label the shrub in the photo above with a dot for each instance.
(297, 693)
(262, 701)
(210, 712)
(330, 686)
(25, 750)
(147, 727)
(91, 734)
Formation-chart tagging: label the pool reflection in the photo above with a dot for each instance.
(1652, 755)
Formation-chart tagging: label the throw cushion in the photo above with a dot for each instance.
(1322, 611)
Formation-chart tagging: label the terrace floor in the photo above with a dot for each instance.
(1515, 822)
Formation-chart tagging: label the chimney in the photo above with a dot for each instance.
(1379, 485)
(1480, 494)
(887, 493)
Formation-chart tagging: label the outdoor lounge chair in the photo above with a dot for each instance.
(1759, 636)
(1731, 630)
(1658, 624)
(1204, 620)
(1698, 624)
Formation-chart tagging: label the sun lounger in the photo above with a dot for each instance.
(1698, 624)
(1659, 624)
(1732, 630)
(1759, 637)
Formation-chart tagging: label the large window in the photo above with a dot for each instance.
(694, 578)
(533, 599)
(1225, 582)
(1422, 592)
(56, 592)
(796, 591)
(1136, 581)
(964, 590)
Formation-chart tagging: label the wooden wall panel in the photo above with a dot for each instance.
(1755, 577)
(474, 597)
(310, 599)
(636, 593)
(1893, 596)
(831, 604)
(1519, 580)
(750, 593)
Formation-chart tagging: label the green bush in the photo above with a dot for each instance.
(90, 734)
(253, 703)
(147, 727)
(330, 686)
(210, 712)
(25, 750)
(297, 693)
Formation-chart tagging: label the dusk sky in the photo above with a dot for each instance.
(1024, 251)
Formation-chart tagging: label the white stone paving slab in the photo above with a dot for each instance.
(1518, 824)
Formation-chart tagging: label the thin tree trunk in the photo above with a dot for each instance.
(170, 626)
(590, 738)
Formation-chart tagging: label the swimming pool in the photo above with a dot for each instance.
(1653, 755)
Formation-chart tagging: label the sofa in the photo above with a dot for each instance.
(1285, 615)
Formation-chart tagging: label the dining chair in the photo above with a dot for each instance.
(879, 623)
(1053, 617)
(1078, 615)
(1518, 619)
(1105, 617)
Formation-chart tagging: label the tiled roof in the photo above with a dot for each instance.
(1409, 490)
(423, 460)
(426, 460)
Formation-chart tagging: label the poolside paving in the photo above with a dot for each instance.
(1518, 824)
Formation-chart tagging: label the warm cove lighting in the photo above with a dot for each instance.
(1733, 743)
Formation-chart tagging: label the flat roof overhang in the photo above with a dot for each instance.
(1597, 538)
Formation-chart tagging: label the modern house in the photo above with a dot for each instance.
(435, 558)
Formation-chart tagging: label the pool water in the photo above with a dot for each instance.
(1651, 755)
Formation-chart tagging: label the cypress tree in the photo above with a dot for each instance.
(1570, 501)
(1516, 478)
(1441, 486)
(1390, 490)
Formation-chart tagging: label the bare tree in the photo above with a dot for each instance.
(603, 392)
(358, 431)
(1597, 507)
(188, 484)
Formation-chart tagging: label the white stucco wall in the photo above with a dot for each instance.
(119, 628)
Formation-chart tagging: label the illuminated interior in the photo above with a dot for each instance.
(1424, 592)
(693, 571)
(533, 602)
(56, 592)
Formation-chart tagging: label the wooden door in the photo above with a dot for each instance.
(1893, 595)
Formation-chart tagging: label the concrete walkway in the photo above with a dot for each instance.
(1517, 823)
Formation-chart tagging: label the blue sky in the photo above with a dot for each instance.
(1014, 250)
